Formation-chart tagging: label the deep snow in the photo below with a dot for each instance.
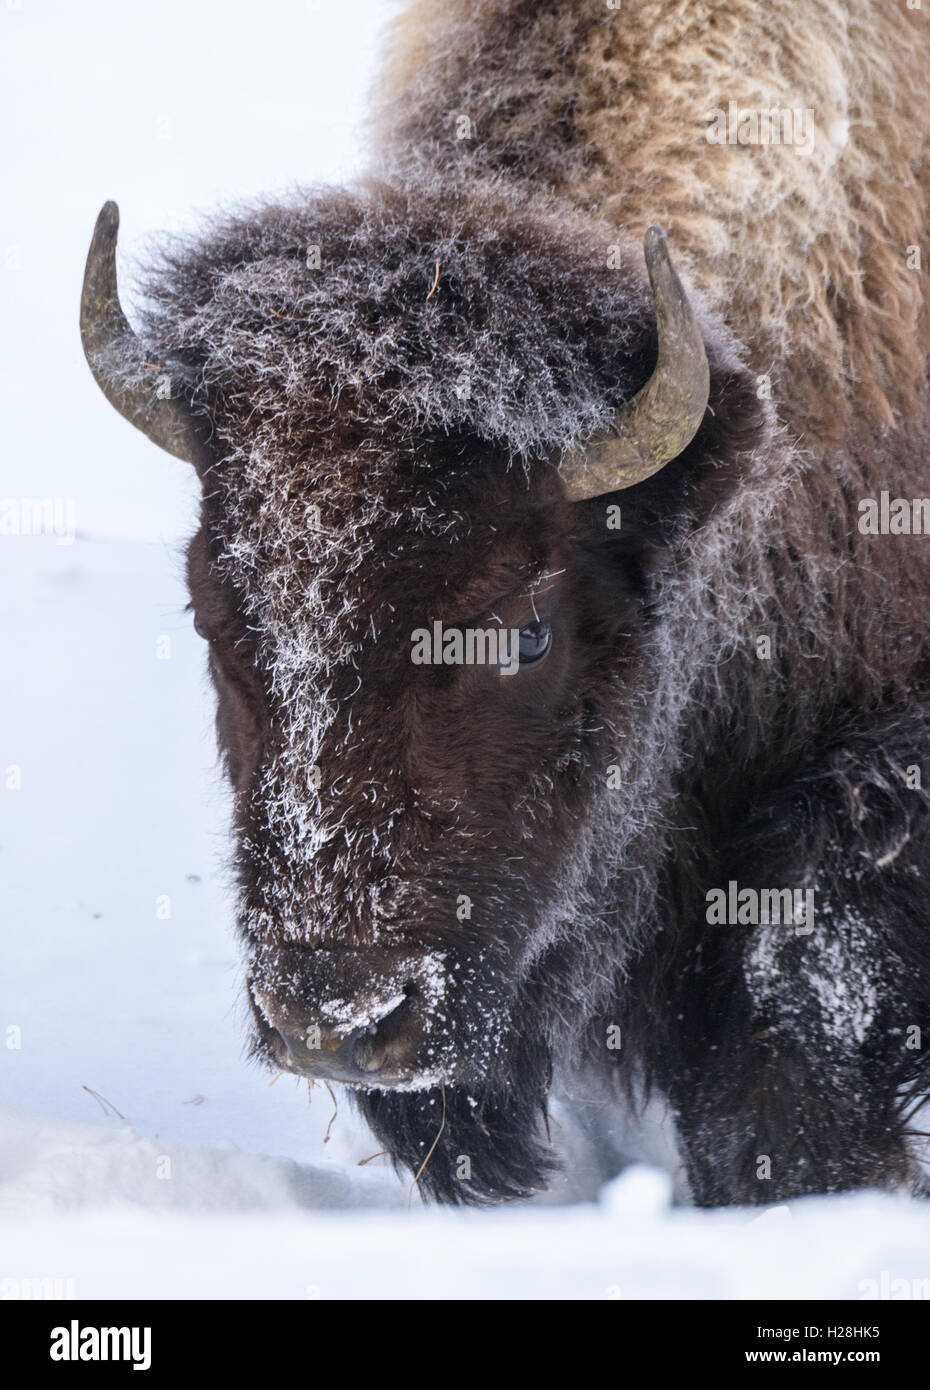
(119, 968)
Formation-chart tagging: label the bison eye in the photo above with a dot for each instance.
(200, 629)
(535, 641)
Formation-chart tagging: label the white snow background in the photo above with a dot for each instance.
(172, 109)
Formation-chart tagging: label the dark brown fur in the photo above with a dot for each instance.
(426, 429)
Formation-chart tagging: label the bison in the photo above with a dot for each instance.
(677, 848)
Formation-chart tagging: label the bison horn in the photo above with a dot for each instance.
(168, 422)
(661, 419)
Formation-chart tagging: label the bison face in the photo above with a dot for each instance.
(410, 828)
(427, 420)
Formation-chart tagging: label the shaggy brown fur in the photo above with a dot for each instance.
(383, 456)
(806, 254)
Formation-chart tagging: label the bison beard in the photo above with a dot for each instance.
(466, 884)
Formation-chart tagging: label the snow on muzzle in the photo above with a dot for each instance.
(362, 1017)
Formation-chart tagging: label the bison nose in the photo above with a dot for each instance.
(323, 1051)
(368, 1054)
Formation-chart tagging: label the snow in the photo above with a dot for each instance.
(191, 1176)
(89, 1211)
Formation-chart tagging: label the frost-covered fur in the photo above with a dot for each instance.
(385, 457)
(610, 107)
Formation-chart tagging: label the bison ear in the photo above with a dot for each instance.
(108, 340)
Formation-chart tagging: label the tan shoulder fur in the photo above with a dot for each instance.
(807, 248)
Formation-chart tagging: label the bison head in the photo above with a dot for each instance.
(413, 407)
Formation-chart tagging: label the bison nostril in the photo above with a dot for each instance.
(380, 1042)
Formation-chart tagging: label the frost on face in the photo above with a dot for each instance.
(275, 987)
(302, 597)
(362, 1011)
